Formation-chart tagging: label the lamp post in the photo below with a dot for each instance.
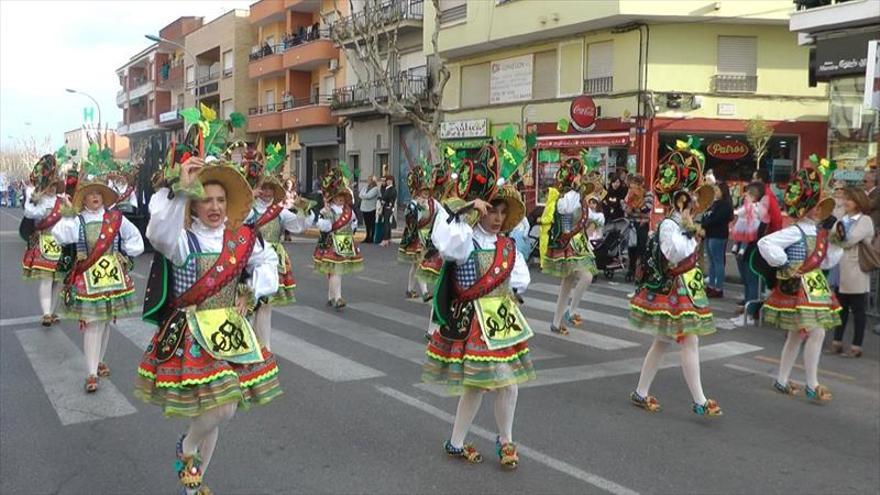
(93, 100)
(159, 39)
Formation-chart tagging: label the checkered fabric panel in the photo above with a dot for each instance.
(466, 274)
(567, 221)
(184, 276)
(797, 251)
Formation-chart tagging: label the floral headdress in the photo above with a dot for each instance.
(806, 190)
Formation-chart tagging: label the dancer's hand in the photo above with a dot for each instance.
(189, 170)
(241, 304)
(481, 206)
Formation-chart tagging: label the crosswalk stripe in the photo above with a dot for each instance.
(60, 366)
(420, 322)
(569, 374)
(588, 315)
(319, 361)
(585, 338)
(139, 332)
(732, 291)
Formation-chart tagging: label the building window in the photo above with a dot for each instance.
(475, 85)
(545, 75)
(382, 164)
(228, 63)
(354, 164)
(190, 76)
(452, 10)
(737, 64)
(600, 68)
(269, 100)
(227, 108)
(180, 102)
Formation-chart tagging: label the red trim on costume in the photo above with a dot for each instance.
(237, 248)
(343, 220)
(815, 259)
(502, 266)
(270, 214)
(686, 264)
(52, 218)
(109, 230)
(429, 217)
(124, 196)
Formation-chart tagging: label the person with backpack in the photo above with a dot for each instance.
(670, 301)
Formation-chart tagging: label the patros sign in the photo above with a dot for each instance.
(728, 149)
(583, 113)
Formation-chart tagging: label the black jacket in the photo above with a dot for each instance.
(716, 220)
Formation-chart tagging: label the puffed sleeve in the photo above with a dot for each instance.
(772, 247)
(520, 278)
(39, 210)
(132, 242)
(294, 223)
(354, 222)
(324, 224)
(832, 257)
(166, 228)
(452, 237)
(597, 217)
(66, 231)
(569, 203)
(674, 244)
(263, 269)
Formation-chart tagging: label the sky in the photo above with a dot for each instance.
(47, 46)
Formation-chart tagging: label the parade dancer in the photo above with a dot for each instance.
(272, 220)
(98, 288)
(42, 207)
(204, 360)
(415, 242)
(801, 302)
(336, 253)
(429, 267)
(670, 301)
(481, 343)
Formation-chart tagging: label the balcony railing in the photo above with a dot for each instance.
(811, 4)
(404, 87)
(291, 40)
(729, 83)
(599, 85)
(453, 14)
(382, 14)
(264, 51)
(212, 74)
(290, 104)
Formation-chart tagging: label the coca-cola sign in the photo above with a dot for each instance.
(583, 113)
(727, 149)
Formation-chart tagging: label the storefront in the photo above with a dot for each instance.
(465, 135)
(319, 147)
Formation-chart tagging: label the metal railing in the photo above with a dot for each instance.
(453, 14)
(304, 35)
(384, 13)
(404, 86)
(729, 83)
(811, 4)
(599, 85)
(290, 104)
(213, 74)
(265, 50)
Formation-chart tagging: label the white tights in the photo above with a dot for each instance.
(48, 291)
(203, 431)
(263, 325)
(812, 351)
(572, 285)
(334, 287)
(469, 404)
(413, 281)
(690, 366)
(96, 336)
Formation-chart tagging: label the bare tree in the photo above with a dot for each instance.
(758, 133)
(18, 158)
(369, 40)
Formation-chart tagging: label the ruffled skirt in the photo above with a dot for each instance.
(562, 262)
(796, 312)
(671, 315)
(35, 266)
(329, 262)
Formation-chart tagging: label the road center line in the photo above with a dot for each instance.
(541, 458)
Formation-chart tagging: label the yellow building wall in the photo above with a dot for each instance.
(272, 83)
(275, 29)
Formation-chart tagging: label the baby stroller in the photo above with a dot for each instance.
(534, 234)
(612, 252)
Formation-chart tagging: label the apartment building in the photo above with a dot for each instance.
(77, 142)
(172, 70)
(374, 143)
(625, 78)
(142, 101)
(294, 67)
(838, 34)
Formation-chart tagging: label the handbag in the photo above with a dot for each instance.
(869, 255)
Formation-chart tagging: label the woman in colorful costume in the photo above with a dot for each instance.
(481, 343)
(98, 288)
(432, 262)
(205, 360)
(801, 302)
(273, 219)
(416, 239)
(568, 254)
(43, 207)
(336, 253)
(670, 299)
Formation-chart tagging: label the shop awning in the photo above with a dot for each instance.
(583, 140)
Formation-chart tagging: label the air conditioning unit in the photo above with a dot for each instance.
(333, 64)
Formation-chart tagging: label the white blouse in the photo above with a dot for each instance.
(326, 224)
(772, 247)
(290, 221)
(455, 242)
(42, 208)
(569, 203)
(66, 231)
(167, 234)
(674, 244)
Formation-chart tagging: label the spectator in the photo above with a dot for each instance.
(749, 217)
(716, 223)
(614, 200)
(749, 304)
(870, 182)
(368, 207)
(4, 184)
(852, 229)
(771, 205)
(639, 211)
(389, 199)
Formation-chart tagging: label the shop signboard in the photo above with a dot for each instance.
(727, 149)
(463, 129)
(511, 79)
(842, 56)
(583, 113)
(583, 141)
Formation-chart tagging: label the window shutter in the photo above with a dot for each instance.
(544, 75)
(475, 85)
(412, 60)
(600, 60)
(738, 55)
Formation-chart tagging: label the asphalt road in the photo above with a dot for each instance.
(354, 418)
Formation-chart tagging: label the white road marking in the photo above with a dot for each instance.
(319, 361)
(60, 367)
(582, 337)
(594, 297)
(137, 275)
(587, 314)
(139, 332)
(373, 280)
(21, 320)
(525, 451)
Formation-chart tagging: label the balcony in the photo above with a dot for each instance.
(308, 51)
(266, 61)
(266, 11)
(827, 15)
(139, 126)
(356, 100)
(313, 6)
(145, 88)
(729, 83)
(406, 14)
(291, 114)
(121, 97)
(170, 75)
(599, 85)
(265, 118)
